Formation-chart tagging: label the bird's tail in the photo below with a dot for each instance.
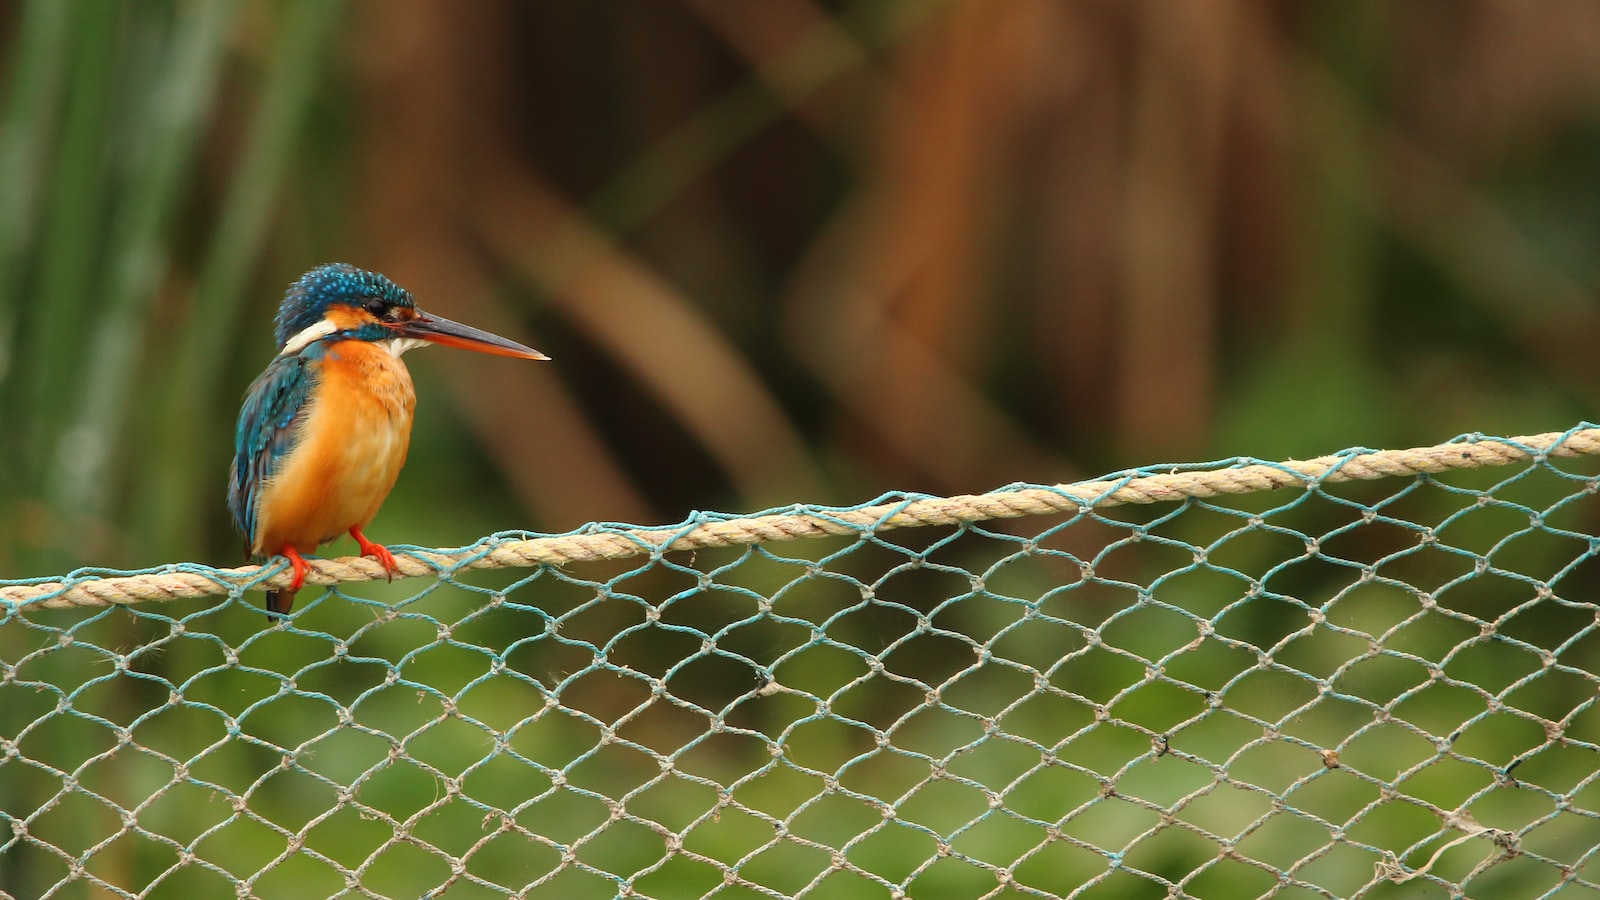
(278, 604)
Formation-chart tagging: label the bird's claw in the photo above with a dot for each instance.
(377, 552)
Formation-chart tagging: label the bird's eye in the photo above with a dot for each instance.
(377, 307)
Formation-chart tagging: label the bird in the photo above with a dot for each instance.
(323, 431)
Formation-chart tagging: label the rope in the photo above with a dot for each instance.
(181, 582)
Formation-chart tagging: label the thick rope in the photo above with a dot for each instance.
(1004, 504)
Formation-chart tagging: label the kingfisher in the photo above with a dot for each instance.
(324, 430)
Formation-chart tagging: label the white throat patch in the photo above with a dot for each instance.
(400, 345)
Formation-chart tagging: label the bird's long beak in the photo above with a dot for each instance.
(446, 333)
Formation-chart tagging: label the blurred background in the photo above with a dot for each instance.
(807, 251)
(786, 251)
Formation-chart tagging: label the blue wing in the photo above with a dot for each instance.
(266, 433)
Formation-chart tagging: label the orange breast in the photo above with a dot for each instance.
(352, 443)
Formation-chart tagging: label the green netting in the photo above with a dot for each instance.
(1366, 689)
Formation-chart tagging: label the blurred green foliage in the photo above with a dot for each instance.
(790, 251)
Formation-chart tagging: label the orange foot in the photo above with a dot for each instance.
(280, 601)
(297, 563)
(376, 551)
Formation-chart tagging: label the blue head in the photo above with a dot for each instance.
(338, 301)
(309, 299)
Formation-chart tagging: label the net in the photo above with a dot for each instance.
(1339, 688)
